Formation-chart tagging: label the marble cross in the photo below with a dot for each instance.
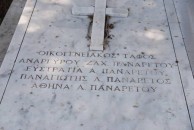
(99, 13)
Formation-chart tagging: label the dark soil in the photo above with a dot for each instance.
(4, 6)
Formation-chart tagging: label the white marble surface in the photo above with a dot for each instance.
(152, 92)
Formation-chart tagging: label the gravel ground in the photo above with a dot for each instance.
(4, 5)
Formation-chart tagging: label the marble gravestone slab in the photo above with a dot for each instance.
(141, 80)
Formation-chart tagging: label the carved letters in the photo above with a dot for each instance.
(89, 71)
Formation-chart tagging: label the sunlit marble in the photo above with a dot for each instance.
(141, 81)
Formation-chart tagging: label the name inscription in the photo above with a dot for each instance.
(94, 71)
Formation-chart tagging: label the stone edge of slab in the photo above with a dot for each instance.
(14, 48)
(9, 24)
(181, 55)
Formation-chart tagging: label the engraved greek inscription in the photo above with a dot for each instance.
(74, 70)
(142, 76)
(78, 54)
(144, 64)
(116, 88)
(50, 86)
(138, 80)
(42, 77)
(139, 56)
(92, 71)
(80, 87)
(133, 72)
(97, 79)
(98, 63)
(49, 61)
